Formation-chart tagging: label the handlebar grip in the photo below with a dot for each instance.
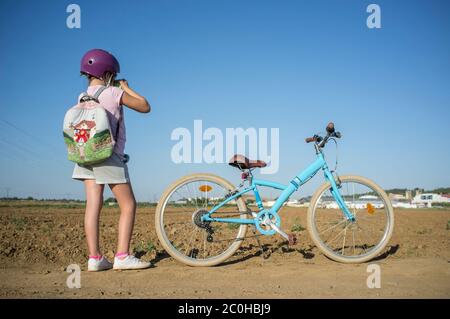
(330, 128)
(310, 139)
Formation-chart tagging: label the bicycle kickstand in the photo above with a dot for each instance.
(264, 253)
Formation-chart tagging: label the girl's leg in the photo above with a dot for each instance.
(94, 203)
(127, 203)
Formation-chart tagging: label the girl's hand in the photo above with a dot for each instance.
(132, 99)
(124, 84)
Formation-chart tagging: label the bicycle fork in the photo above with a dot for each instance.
(334, 190)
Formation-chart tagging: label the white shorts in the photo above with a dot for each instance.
(112, 171)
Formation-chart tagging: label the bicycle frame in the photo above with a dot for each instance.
(287, 191)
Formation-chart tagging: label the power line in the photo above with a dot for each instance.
(34, 137)
(31, 150)
(31, 153)
(23, 149)
(19, 155)
(9, 155)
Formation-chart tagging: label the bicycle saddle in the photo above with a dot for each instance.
(242, 162)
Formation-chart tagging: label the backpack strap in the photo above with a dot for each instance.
(119, 122)
(126, 157)
(86, 97)
(99, 91)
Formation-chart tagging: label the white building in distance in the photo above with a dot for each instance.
(428, 199)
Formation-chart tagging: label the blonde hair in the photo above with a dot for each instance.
(109, 78)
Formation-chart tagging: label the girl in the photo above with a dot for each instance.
(101, 68)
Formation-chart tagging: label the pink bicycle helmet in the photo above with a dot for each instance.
(97, 62)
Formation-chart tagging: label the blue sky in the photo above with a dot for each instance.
(292, 65)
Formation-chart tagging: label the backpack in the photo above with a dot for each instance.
(87, 132)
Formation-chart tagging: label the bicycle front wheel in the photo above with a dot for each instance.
(349, 241)
(180, 229)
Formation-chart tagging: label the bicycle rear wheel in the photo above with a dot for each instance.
(180, 230)
(349, 241)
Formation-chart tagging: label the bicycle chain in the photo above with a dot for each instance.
(264, 253)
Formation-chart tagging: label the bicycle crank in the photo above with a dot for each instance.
(291, 238)
(264, 221)
(268, 223)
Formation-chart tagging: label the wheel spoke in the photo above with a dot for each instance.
(189, 190)
(206, 198)
(332, 227)
(204, 245)
(184, 231)
(187, 210)
(192, 235)
(368, 232)
(343, 244)
(353, 236)
(337, 236)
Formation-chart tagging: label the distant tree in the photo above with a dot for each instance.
(397, 190)
(440, 190)
(110, 200)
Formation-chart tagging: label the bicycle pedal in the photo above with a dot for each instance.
(292, 239)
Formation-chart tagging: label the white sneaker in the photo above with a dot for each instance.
(99, 264)
(130, 262)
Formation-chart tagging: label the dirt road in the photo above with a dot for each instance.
(39, 241)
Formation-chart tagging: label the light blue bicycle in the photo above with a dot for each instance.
(202, 219)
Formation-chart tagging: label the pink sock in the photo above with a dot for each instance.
(96, 257)
(121, 255)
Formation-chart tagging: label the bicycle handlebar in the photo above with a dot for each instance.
(321, 141)
(310, 139)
